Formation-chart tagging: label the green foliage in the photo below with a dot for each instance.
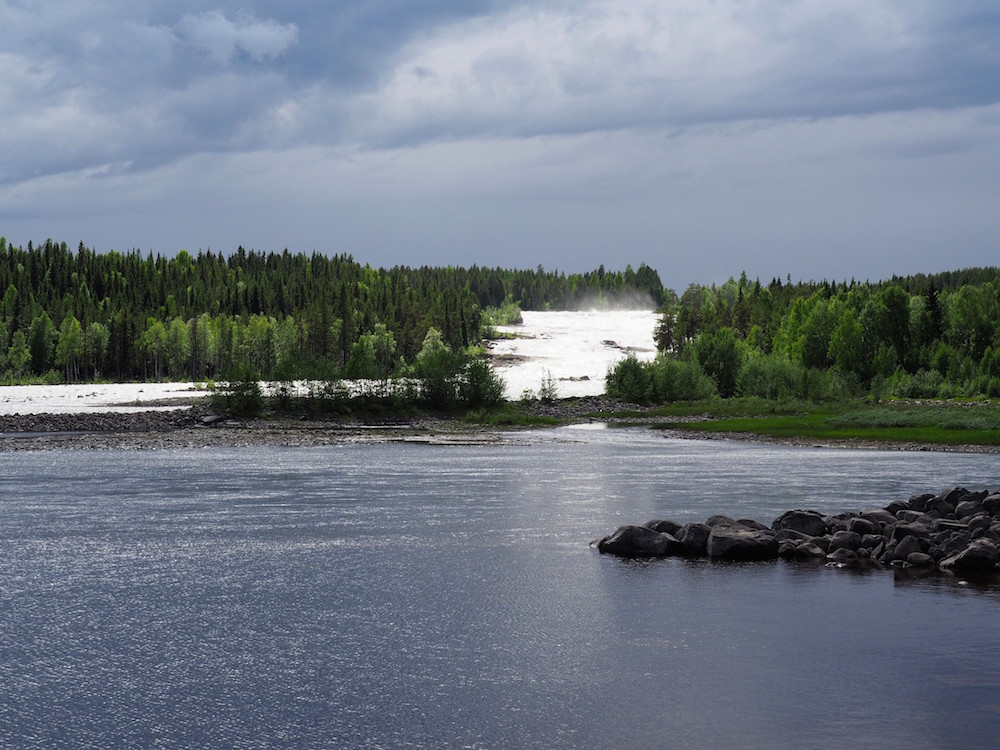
(70, 348)
(438, 369)
(666, 380)
(18, 355)
(240, 395)
(506, 313)
(720, 356)
(770, 376)
(481, 386)
(548, 391)
(630, 380)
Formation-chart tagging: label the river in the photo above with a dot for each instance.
(412, 595)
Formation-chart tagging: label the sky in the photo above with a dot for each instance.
(833, 139)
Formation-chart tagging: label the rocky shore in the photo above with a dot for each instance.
(193, 424)
(955, 531)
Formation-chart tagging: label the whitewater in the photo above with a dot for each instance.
(575, 349)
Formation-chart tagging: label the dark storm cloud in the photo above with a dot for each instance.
(533, 123)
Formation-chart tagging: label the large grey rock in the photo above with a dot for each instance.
(845, 540)
(719, 520)
(663, 526)
(740, 543)
(969, 508)
(805, 521)
(979, 557)
(919, 560)
(639, 541)
(693, 537)
(862, 526)
(843, 555)
(917, 502)
(919, 530)
(880, 517)
(992, 504)
(906, 547)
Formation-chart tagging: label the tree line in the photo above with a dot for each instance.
(923, 336)
(80, 314)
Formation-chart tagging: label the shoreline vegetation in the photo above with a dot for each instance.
(907, 362)
(198, 422)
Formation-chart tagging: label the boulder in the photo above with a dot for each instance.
(969, 508)
(811, 551)
(992, 503)
(805, 521)
(878, 517)
(906, 547)
(954, 495)
(845, 540)
(862, 526)
(664, 527)
(719, 520)
(740, 543)
(793, 550)
(895, 506)
(917, 502)
(693, 537)
(843, 555)
(918, 530)
(796, 536)
(982, 521)
(639, 541)
(979, 557)
(871, 541)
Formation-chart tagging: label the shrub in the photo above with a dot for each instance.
(630, 380)
(241, 395)
(480, 386)
(770, 376)
(679, 380)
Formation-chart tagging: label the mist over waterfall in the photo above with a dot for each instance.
(577, 348)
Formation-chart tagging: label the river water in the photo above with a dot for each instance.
(412, 595)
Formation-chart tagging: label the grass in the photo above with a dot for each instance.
(931, 423)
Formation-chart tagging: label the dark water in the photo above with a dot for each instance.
(409, 595)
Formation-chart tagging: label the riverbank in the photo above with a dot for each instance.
(193, 424)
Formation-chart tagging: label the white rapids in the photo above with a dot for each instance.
(576, 348)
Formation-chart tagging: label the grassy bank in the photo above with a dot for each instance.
(932, 423)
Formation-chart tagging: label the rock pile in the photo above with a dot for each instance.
(956, 530)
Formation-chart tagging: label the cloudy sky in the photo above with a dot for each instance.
(819, 139)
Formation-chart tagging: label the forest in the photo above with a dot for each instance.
(71, 315)
(921, 336)
(78, 315)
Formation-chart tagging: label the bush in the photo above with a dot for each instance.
(720, 355)
(438, 369)
(547, 391)
(241, 395)
(480, 386)
(770, 376)
(673, 379)
(630, 380)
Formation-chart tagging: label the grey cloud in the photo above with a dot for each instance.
(221, 39)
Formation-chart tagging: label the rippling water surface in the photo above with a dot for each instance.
(410, 595)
